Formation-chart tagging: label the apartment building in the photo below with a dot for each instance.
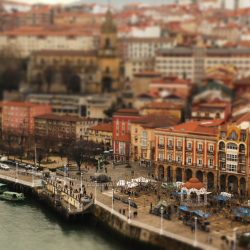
(143, 137)
(192, 63)
(28, 39)
(18, 118)
(188, 150)
(139, 53)
(101, 133)
(62, 127)
(233, 156)
(122, 133)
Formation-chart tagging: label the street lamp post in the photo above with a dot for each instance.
(81, 184)
(68, 203)
(235, 238)
(195, 230)
(95, 191)
(112, 200)
(161, 231)
(16, 172)
(33, 168)
(65, 167)
(129, 212)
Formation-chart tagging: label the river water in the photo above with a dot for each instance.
(30, 226)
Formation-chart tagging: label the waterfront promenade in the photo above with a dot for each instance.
(69, 193)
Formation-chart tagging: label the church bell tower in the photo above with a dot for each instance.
(108, 56)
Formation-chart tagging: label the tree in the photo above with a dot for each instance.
(49, 76)
(40, 155)
(38, 81)
(81, 151)
(66, 73)
(74, 84)
(12, 70)
(114, 107)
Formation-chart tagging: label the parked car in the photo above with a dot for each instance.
(86, 200)
(4, 166)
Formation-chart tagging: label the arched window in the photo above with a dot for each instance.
(234, 136)
(221, 145)
(232, 146)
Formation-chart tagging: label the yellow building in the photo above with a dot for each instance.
(102, 133)
(143, 136)
(166, 108)
(98, 69)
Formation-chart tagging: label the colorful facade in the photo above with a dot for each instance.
(143, 137)
(101, 133)
(122, 133)
(18, 118)
(188, 150)
(233, 158)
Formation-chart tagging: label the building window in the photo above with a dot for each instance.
(231, 157)
(200, 162)
(170, 142)
(232, 146)
(189, 160)
(179, 143)
(122, 148)
(161, 156)
(170, 157)
(211, 162)
(200, 146)
(189, 145)
(178, 159)
(231, 168)
(123, 128)
(211, 148)
(161, 140)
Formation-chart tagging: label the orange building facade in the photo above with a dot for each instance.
(18, 118)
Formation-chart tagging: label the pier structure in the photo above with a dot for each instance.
(67, 196)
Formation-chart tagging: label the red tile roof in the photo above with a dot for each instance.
(243, 118)
(130, 112)
(156, 121)
(196, 127)
(20, 104)
(54, 117)
(163, 105)
(104, 127)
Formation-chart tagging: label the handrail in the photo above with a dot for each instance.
(156, 230)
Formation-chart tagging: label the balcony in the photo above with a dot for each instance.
(160, 160)
(222, 159)
(179, 148)
(210, 152)
(170, 147)
(189, 149)
(161, 146)
(199, 150)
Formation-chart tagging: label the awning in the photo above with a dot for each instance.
(184, 208)
(201, 214)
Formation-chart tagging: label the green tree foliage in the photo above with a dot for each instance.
(119, 104)
(12, 69)
(70, 79)
(81, 151)
(49, 76)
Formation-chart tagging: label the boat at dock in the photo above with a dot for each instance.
(3, 188)
(12, 196)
